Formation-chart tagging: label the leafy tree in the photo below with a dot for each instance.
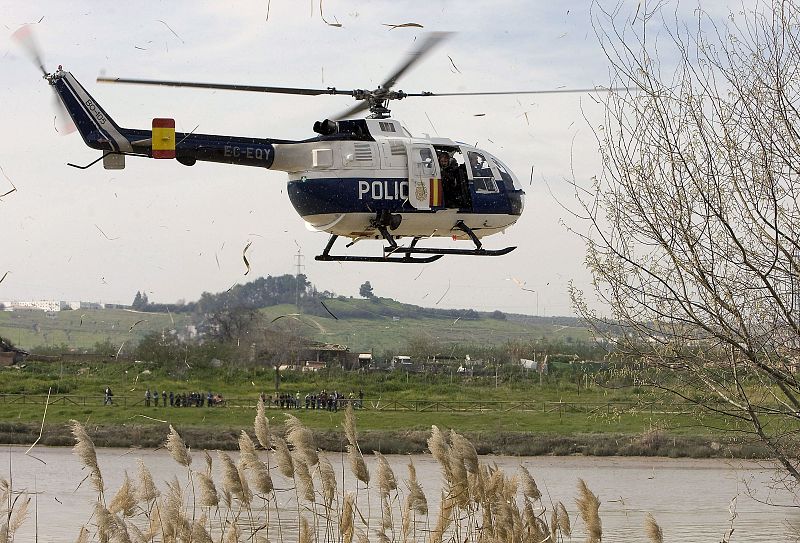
(234, 325)
(366, 290)
(140, 301)
(695, 219)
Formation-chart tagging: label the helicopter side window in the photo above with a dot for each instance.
(424, 158)
(482, 175)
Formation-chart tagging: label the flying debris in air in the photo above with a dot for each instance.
(244, 256)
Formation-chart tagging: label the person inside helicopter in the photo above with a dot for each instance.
(450, 180)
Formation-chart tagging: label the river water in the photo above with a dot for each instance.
(692, 500)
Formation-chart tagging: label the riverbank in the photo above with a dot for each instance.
(152, 436)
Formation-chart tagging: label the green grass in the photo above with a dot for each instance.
(75, 383)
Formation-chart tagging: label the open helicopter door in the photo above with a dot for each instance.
(424, 185)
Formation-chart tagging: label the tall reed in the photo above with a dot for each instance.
(301, 499)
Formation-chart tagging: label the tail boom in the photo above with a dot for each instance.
(100, 132)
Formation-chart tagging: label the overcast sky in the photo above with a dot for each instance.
(175, 231)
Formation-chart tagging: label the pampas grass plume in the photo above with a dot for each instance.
(346, 520)
(199, 532)
(328, 478)
(302, 439)
(438, 446)
(146, 491)
(177, 448)
(84, 449)
(261, 425)
(384, 476)
(261, 478)
(563, 520)
(247, 450)
(18, 517)
(305, 531)
(124, 500)
(416, 499)
(465, 451)
(305, 485)
(589, 509)
(231, 481)
(529, 488)
(652, 529)
(208, 496)
(350, 425)
(283, 457)
(357, 465)
(234, 533)
(83, 535)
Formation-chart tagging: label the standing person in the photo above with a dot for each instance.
(210, 399)
(147, 398)
(361, 399)
(155, 397)
(164, 398)
(297, 400)
(107, 399)
(171, 399)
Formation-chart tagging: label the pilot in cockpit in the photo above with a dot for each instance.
(480, 168)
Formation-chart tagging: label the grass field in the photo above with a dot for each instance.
(76, 389)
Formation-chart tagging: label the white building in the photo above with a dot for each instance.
(49, 305)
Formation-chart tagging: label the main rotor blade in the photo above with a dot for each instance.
(223, 86)
(430, 41)
(494, 93)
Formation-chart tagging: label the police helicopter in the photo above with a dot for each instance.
(358, 178)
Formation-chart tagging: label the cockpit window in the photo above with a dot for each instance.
(504, 173)
(481, 173)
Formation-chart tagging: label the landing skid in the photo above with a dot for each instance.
(394, 256)
(403, 255)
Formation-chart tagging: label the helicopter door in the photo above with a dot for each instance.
(424, 185)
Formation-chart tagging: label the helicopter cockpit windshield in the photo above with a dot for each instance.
(486, 170)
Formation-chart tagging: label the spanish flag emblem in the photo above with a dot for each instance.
(163, 138)
(436, 193)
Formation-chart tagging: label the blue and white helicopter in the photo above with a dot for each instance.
(358, 178)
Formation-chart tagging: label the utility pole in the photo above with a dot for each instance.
(299, 265)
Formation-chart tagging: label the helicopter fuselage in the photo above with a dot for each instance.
(340, 185)
(362, 178)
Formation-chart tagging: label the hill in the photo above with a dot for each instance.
(85, 328)
(377, 329)
(363, 324)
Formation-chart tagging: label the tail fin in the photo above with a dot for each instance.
(96, 127)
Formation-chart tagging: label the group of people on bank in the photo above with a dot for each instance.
(330, 401)
(182, 399)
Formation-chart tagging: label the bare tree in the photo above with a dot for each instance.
(694, 226)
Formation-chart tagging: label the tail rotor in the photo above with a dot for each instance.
(25, 38)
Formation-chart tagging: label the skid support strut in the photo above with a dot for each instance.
(403, 254)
